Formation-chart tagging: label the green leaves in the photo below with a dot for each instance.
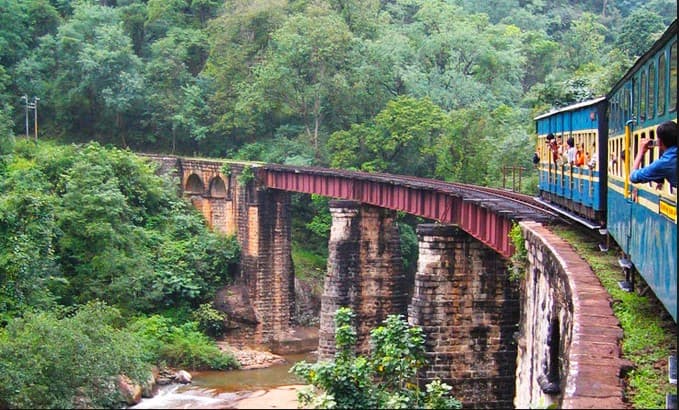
(48, 360)
(385, 379)
(400, 140)
(105, 223)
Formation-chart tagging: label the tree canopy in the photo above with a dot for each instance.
(214, 78)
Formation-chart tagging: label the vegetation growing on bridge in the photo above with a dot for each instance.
(519, 260)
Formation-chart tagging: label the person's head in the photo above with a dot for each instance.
(667, 133)
(550, 137)
(570, 141)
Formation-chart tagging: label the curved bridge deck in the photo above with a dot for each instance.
(486, 214)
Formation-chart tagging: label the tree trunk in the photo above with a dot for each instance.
(122, 134)
(317, 125)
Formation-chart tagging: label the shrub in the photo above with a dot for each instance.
(209, 319)
(519, 260)
(180, 346)
(385, 379)
(187, 347)
(58, 359)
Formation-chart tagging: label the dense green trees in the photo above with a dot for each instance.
(211, 77)
(92, 241)
(86, 223)
(71, 358)
(52, 360)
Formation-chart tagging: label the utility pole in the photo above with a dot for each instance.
(35, 116)
(25, 99)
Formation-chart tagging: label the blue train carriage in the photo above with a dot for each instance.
(642, 218)
(574, 189)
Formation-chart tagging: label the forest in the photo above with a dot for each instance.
(432, 88)
(101, 259)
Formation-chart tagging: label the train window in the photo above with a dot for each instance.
(630, 106)
(636, 90)
(651, 152)
(651, 91)
(673, 77)
(613, 111)
(621, 109)
(661, 84)
(635, 147)
(643, 95)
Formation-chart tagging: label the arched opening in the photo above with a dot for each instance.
(194, 185)
(218, 188)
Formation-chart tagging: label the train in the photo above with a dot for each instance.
(595, 191)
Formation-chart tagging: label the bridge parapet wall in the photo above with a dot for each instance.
(569, 353)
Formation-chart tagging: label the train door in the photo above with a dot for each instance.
(619, 204)
(586, 171)
(629, 194)
(554, 163)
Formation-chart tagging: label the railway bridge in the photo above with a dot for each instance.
(462, 295)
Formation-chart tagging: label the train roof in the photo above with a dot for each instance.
(660, 43)
(571, 107)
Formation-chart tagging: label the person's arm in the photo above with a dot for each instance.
(650, 173)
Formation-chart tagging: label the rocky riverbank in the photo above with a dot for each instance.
(251, 358)
(263, 382)
(256, 389)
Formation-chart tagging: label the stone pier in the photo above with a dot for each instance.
(469, 311)
(265, 235)
(365, 272)
(261, 302)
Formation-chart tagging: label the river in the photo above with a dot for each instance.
(269, 388)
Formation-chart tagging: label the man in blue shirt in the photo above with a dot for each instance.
(664, 167)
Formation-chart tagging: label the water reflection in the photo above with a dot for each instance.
(238, 380)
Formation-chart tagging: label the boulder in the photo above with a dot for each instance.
(235, 302)
(130, 391)
(149, 386)
(182, 376)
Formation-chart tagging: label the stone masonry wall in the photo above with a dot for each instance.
(264, 232)
(569, 354)
(469, 311)
(365, 272)
(260, 219)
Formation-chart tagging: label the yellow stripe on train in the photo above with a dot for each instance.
(668, 210)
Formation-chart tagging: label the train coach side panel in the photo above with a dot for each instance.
(653, 248)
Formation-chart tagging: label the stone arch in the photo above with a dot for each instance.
(194, 185)
(218, 188)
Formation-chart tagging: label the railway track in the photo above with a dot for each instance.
(533, 208)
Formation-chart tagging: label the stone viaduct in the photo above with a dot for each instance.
(550, 338)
